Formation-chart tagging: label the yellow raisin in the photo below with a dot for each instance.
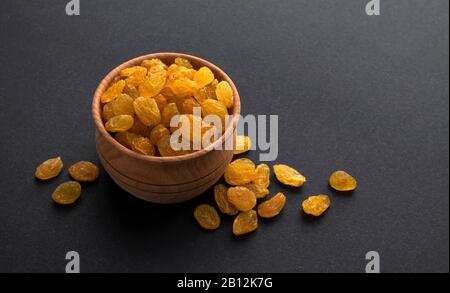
(207, 217)
(152, 85)
(108, 111)
(49, 169)
(119, 123)
(125, 138)
(245, 222)
(143, 146)
(258, 190)
(288, 175)
(224, 93)
(147, 111)
(243, 144)
(315, 205)
(272, 207)
(149, 63)
(131, 90)
(241, 197)
(203, 76)
(161, 101)
(131, 70)
(183, 62)
(221, 197)
(168, 112)
(84, 171)
(342, 181)
(158, 132)
(240, 172)
(166, 150)
(214, 107)
(113, 91)
(123, 105)
(67, 192)
(204, 93)
(188, 106)
(262, 175)
(184, 87)
(137, 76)
(140, 128)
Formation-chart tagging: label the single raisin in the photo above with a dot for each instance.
(245, 222)
(84, 171)
(288, 175)
(272, 207)
(207, 217)
(67, 192)
(315, 205)
(49, 169)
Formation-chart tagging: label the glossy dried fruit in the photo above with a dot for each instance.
(147, 111)
(137, 76)
(207, 217)
(143, 146)
(315, 205)
(242, 198)
(245, 222)
(203, 76)
(140, 128)
(221, 197)
(184, 87)
(262, 175)
(258, 190)
(49, 169)
(288, 175)
(214, 107)
(166, 150)
(272, 207)
(123, 105)
(168, 112)
(152, 85)
(224, 93)
(131, 70)
(84, 171)
(119, 123)
(342, 181)
(149, 63)
(204, 93)
(113, 91)
(108, 111)
(131, 90)
(188, 106)
(182, 62)
(240, 172)
(67, 192)
(158, 132)
(125, 138)
(243, 144)
(161, 101)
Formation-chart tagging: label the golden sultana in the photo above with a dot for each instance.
(139, 104)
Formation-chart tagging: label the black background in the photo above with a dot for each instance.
(365, 94)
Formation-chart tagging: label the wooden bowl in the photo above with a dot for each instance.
(163, 179)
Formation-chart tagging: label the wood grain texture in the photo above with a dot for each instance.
(163, 179)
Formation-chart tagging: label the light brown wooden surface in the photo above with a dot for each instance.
(163, 179)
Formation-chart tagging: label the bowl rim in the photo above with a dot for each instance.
(105, 82)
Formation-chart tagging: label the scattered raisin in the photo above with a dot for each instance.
(342, 181)
(245, 222)
(67, 192)
(84, 171)
(288, 175)
(315, 205)
(49, 169)
(272, 207)
(207, 217)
